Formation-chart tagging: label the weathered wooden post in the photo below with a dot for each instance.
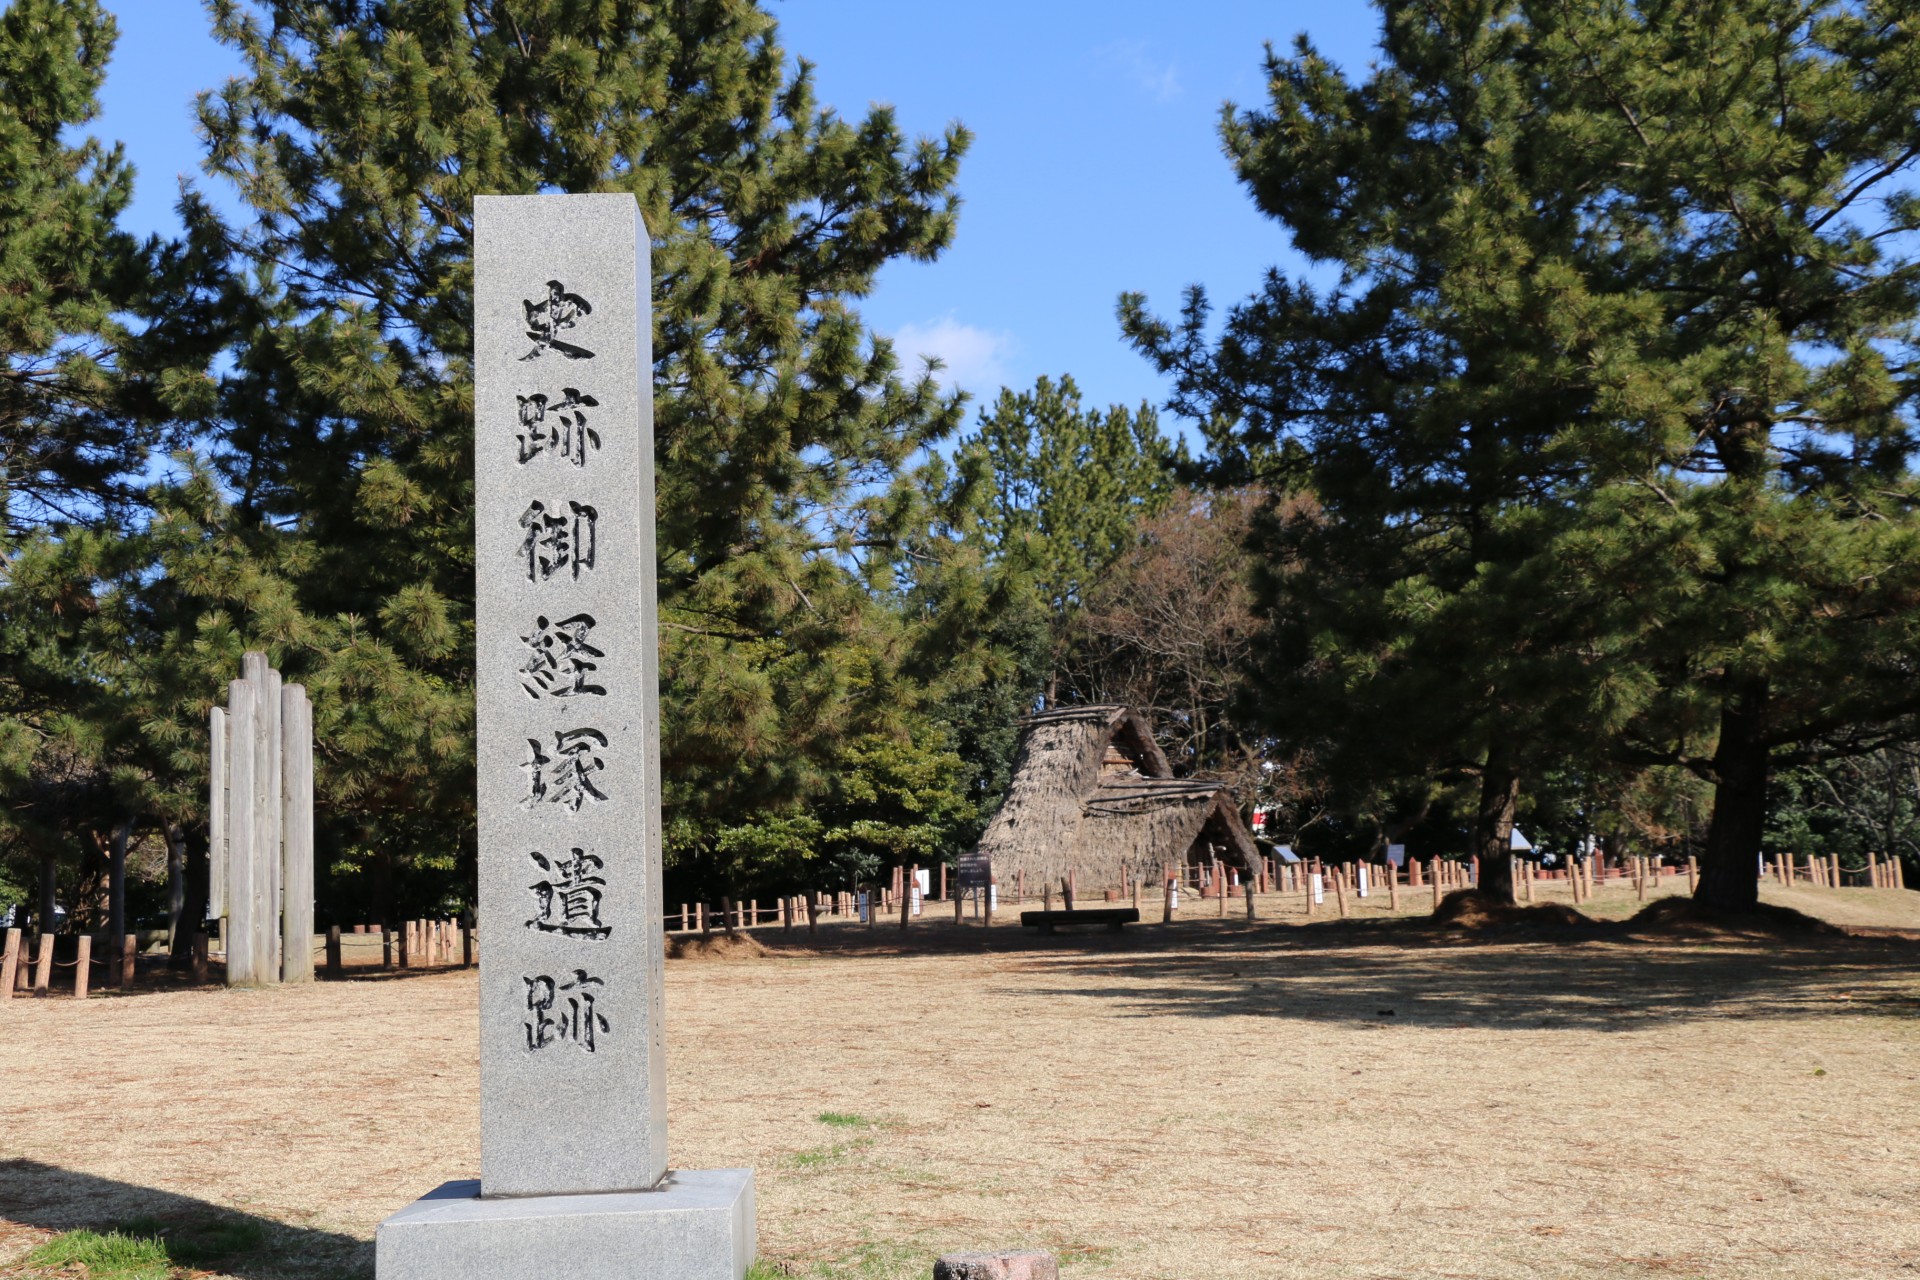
(43, 963)
(82, 966)
(242, 854)
(265, 795)
(129, 948)
(217, 806)
(296, 824)
(10, 964)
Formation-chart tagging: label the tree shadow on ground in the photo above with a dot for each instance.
(202, 1237)
(1405, 972)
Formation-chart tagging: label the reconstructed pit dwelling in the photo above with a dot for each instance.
(1094, 794)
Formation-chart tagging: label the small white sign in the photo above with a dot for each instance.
(1319, 888)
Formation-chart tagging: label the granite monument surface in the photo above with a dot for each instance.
(573, 1161)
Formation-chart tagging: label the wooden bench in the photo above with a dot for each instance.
(1112, 917)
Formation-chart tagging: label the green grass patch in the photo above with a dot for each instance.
(150, 1248)
(843, 1120)
(109, 1256)
(821, 1157)
(201, 1242)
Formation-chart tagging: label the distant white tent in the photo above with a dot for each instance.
(1519, 843)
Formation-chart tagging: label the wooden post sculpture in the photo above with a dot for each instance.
(260, 826)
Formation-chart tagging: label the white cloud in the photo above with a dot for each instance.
(1161, 80)
(975, 358)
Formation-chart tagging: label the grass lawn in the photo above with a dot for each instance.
(1370, 1098)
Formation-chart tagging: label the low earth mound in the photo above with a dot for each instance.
(719, 946)
(1685, 918)
(1470, 909)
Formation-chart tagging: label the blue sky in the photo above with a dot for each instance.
(1095, 167)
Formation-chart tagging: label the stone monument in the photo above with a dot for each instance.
(260, 826)
(573, 1145)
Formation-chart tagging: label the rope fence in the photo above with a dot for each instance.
(1315, 886)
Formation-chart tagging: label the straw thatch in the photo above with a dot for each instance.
(1093, 793)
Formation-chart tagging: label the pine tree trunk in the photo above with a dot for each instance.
(48, 893)
(1493, 824)
(196, 873)
(117, 893)
(1729, 876)
(176, 882)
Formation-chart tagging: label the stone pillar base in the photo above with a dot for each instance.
(697, 1225)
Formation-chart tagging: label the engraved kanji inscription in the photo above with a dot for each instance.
(558, 540)
(557, 426)
(559, 661)
(561, 1011)
(567, 896)
(551, 316)
(565, 777)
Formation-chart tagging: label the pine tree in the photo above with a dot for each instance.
(68, 454)
(786, 438)
(1590, 253)
(92, 380)
(1066, 490)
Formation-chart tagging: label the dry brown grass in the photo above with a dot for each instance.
(1373, 1099)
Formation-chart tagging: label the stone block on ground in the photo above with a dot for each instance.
(1016, 1264)
(698, 1225)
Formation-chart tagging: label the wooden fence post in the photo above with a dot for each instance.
(43, 963)
(1220, 885)
(1393, 888)
(83, 966)
(910, 880)
(813, 914)
(335, 965)
(1066, 890)
(943, 881)
(9, 964)
(199, 960)
(1340, 890)
(1166, 905)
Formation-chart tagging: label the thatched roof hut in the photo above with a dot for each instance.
(1093, 792)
